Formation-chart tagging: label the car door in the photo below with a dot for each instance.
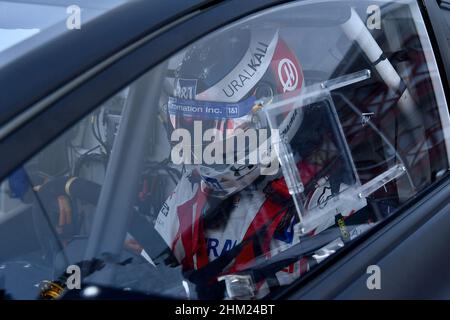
(87, 145)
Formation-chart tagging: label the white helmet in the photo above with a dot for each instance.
(221, 84)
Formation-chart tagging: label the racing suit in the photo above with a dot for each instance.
(261, 216)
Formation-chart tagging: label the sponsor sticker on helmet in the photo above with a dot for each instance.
(288, 75)
(209, 110)
(186, 88)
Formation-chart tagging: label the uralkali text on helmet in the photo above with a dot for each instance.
(247, 73)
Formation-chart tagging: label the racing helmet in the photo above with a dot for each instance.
(219, 87)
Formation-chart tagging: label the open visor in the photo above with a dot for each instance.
(227, 128)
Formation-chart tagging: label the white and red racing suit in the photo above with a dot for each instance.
(180, 222)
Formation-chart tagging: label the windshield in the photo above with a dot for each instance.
(234, 168)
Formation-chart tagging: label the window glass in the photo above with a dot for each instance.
(251, 156)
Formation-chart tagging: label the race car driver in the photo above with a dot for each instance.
(221, 208)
